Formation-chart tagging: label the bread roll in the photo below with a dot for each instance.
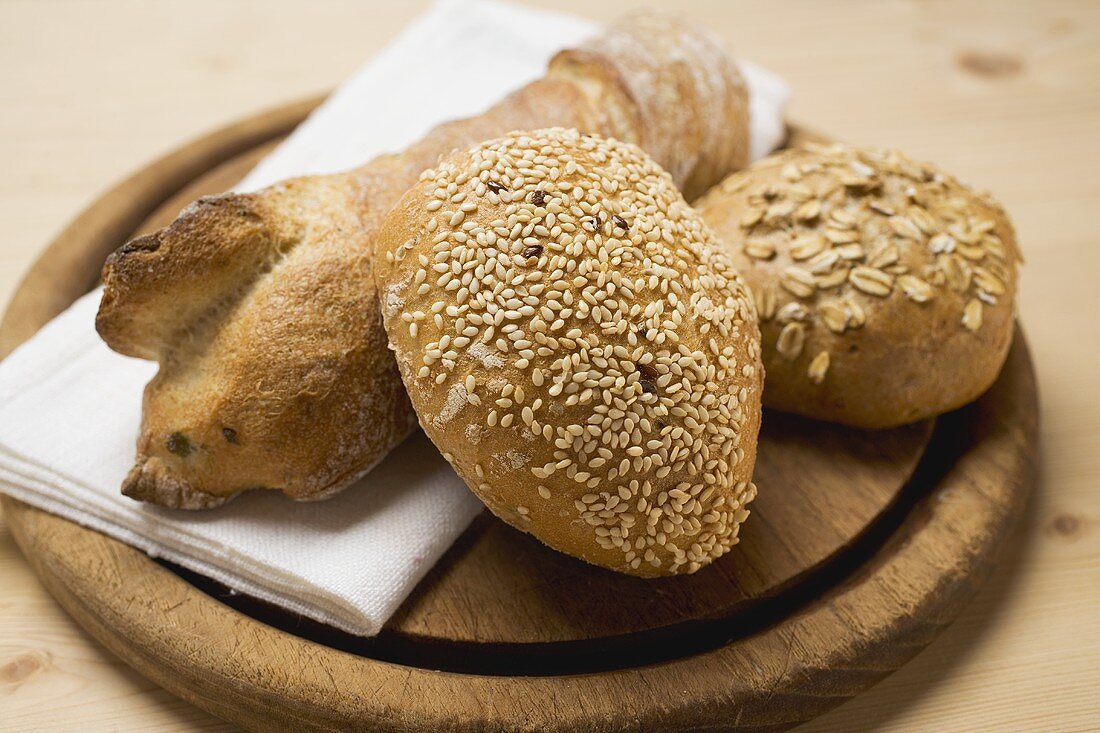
(261, 308)
(885, 288)
(578, 348)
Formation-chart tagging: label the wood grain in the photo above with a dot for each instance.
(1020, 657)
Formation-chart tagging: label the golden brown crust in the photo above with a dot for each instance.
(670, 90)
(248, 389)
(886, 289)
(577, 348)
(163, 282)
(262, 312)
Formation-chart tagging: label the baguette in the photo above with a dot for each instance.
(261, 308)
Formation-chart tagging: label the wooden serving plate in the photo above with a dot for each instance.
(861, 548)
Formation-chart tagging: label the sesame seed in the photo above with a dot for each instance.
(571, 271)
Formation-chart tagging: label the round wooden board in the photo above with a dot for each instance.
(860, 549)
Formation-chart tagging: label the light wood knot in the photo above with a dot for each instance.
(1065, 525)
(990, 64)
(23, 666)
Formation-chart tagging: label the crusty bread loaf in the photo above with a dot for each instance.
(578, 348)
(261, 308)
(246, 391)
(885, 287)
(670, 90)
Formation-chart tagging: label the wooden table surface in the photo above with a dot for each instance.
(1006, 95)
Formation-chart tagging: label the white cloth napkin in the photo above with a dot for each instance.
(70, 407)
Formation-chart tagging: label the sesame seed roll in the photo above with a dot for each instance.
(577, 346)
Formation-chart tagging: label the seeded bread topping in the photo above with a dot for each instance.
(843, 247)
(553, 292)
